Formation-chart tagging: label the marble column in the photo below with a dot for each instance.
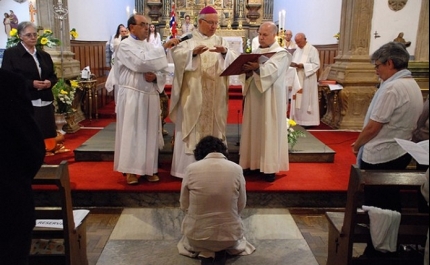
(47, 20)
(352, 67)
(420, 65)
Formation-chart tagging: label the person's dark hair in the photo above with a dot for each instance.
(23, 25)
(394, 51)
(118, 30)
(187, 16)
(209, 144)
(132, 19)
(124, 37)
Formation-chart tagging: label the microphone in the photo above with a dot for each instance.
(186, 37)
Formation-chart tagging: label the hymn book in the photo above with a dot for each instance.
(235, 68)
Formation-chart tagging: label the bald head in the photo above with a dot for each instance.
(300, 40)
(267, 34)
(288, 35)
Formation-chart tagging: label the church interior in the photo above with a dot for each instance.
(287, 221)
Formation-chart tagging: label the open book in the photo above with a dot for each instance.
(235, 68)
(419, 151)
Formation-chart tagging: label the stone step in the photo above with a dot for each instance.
(100, 147)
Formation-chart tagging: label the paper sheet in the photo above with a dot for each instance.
(335, 87)
(78, 217)
(419, 151)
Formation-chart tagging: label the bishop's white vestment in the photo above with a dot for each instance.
(138, 127)
(264, 139)
(306, 112)
(199, 99)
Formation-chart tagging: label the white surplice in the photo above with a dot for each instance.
(138, 127)
(307, 112)
(199, 98)
(264, 139)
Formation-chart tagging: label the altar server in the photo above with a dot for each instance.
(139, 77)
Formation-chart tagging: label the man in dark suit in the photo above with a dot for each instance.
(22, 151)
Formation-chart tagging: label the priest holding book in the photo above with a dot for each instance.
(199, 97)
(264, 141)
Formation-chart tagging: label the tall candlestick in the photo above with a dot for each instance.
(279, 21)
(282, 20)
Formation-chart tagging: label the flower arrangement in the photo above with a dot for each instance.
(293, 135)
(46, 39)
(13, 39)
(73, 33)
(64, 95)
(337, 36)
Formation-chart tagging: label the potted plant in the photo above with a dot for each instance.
(64, 94)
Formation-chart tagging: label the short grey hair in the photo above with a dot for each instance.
(23, 25)
(394, 51)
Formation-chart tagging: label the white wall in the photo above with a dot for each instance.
(389, 23)
(319, 20)
(97, 20)
(94, 20)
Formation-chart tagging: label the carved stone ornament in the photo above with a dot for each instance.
(397, 5)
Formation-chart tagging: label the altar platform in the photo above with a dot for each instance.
(101, 146)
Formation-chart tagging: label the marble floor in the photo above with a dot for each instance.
(149, 236)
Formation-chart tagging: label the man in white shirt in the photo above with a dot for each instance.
(187, 27)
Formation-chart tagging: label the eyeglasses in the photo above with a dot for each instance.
(29, 35)
(377, 65)
(142, 24)
(212, 23)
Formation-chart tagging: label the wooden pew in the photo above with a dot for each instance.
(74, 245)
(345, 228)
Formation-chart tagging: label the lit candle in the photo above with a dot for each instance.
(127, 9)
(283, 19)
(280, 21)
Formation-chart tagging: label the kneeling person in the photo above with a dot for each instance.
(213, 195)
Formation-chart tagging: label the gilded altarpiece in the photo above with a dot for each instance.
(237, 18)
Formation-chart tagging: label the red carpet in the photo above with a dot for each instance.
(302, 177)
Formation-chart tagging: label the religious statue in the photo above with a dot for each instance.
(400, 39)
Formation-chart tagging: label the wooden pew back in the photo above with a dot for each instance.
(347, 228)
(74, 238)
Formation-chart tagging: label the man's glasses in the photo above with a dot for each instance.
(377, 65)
(142, 24)
(212, 23)
(29, 35)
